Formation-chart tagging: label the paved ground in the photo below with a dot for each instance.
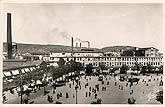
(113, 95)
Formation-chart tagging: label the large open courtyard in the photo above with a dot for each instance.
(112, 91)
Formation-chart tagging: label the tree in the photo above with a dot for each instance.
(161, 69)
(43, 65)
(89, 69)
(123, 69)
(143, 70)
(78, 67)
(159, 96)
(56, 73)
(71, 66)
(102, 67)
(61, 62)
(149, 68)
(114, 69)
(66, 67)
(137, 66)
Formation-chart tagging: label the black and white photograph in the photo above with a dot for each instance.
(82, 53)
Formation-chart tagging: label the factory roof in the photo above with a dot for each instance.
(15, 64)
(140, 49)
(82, 50)
(76, 52)
(149, 48)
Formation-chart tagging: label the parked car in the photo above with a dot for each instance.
(100, 78)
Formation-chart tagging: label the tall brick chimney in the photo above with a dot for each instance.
(76, 44)
(88, 44)
(9, 37)
(80, 44)
(72, 47)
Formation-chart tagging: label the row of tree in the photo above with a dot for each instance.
(143, 69)
(36, 74)
(66, 67)
(73, 66)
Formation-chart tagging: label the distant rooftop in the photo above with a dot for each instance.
(14, 64)
(82, 50)
(149, 48)
(133, 49)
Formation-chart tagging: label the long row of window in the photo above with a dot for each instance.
(125, 63)
(117, 61)
(112, 59)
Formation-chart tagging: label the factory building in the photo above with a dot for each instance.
(150, 56)
(145, 52)
(114, 61)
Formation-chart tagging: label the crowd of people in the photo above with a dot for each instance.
(94, 89)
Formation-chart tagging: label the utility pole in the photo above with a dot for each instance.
(76, 87)
(76, 95)
(21, 86)
(72, 47)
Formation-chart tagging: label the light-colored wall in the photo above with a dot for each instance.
(151, 52)
(76, 54)
(118, 61)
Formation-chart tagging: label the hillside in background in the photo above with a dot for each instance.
(38, 48)
(117, 48)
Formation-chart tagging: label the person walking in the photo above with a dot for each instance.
(51, 99)
(102, 82)
(4, 98)
(79, 82)
(54, 91)
(48, 98)
(108, 83)
(73, 82)
(115, 83)
(147, 84)
(95, 95)
(60, 94)
(90, 88)
(69, 85)
(80, 87)
(86, 94)
(95, 91)
(126, 84)
(26, 100)
(122, 88)
(89, 94)
(67, 96)
(73, 96)
(102, 88)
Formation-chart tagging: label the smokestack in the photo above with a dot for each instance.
(88, 44)
(80, 45)
(76, 44)
(72, 47)
(9, 37)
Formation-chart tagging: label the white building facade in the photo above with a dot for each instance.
(97, 58)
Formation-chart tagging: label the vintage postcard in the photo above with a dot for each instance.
(82, 53)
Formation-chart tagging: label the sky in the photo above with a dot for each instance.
(103, 24)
